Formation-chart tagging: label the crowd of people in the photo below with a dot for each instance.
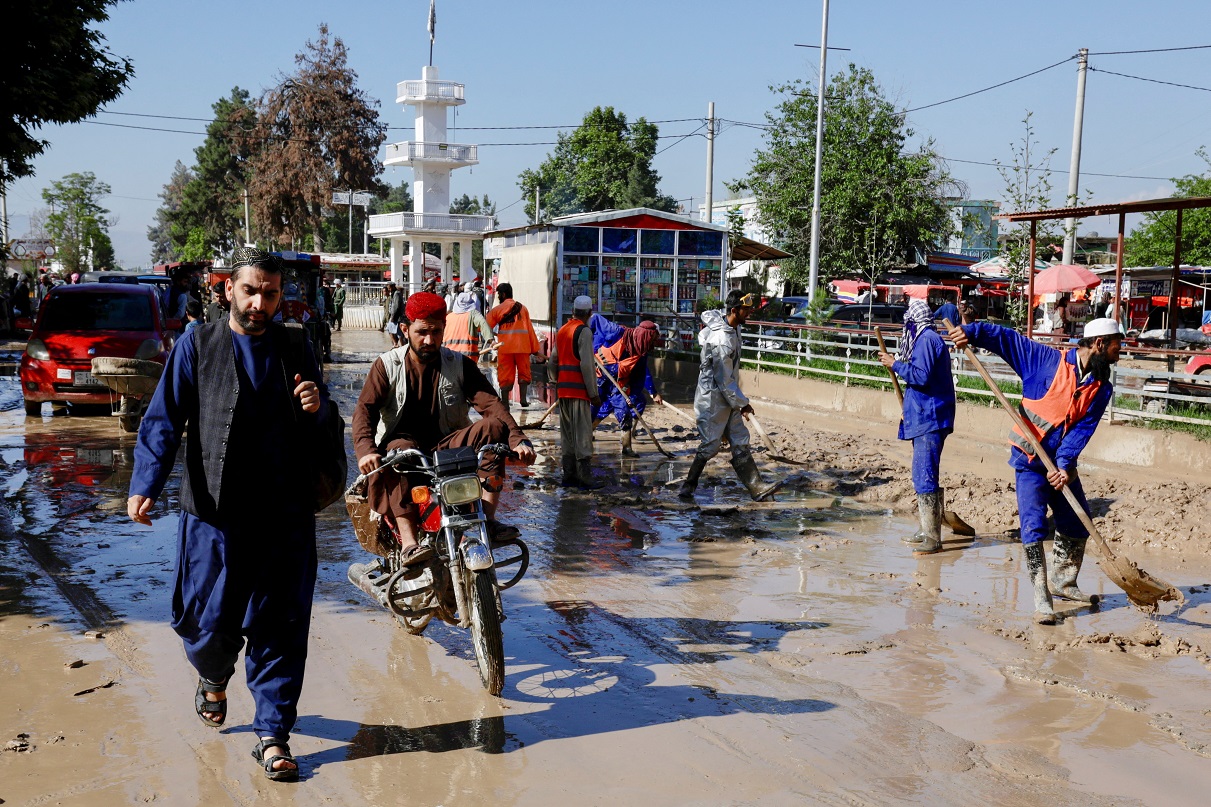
(247, 425)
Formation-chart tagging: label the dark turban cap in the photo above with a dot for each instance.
(425, 305)
(251, 256)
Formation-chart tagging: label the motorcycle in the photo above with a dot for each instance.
(459, 583)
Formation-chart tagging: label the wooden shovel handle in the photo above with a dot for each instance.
(1038, 448)
(895, 379)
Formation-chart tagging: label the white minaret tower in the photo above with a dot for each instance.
(432, 159)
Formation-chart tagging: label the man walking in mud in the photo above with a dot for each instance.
(1064, 393)
(516, 341)
(719, 404)
(571, 365)
(247, 396)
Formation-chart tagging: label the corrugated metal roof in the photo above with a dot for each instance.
(1143, 206)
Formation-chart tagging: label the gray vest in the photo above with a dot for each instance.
(455, 413)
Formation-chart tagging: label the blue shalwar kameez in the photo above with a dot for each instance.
(929, 406)
(247, 573)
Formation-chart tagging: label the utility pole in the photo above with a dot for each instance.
(350, 241)
(247, 219)
(366, 231)
(814, 273)
(710, 162)
(535, 204)
(1074, 167)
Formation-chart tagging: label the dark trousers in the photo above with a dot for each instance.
(274, 662)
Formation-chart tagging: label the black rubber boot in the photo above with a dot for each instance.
(525, 401)
(1067, 555)
(627, 451)
(929, 508)
(686, 491)
(1036, 564)
(570, 479)
(584, 472)
(746, 469)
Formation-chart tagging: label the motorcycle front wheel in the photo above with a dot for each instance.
(485, 631)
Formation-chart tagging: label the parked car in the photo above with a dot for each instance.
(1199, 364)
(857, 315)
(79, 323)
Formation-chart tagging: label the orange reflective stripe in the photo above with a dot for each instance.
(1065, 403)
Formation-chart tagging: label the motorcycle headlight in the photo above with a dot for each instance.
(36, 349)
(149, 349)
(460, 490)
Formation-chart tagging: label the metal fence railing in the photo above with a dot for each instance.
(849, 356)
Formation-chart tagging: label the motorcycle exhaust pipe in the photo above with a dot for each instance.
(359, 575)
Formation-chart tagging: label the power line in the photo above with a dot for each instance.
(279, 139)
(1150, 50)
(993, 87)
(408, 128)
(1152, 80)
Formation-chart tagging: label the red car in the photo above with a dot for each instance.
(77, 323)
(1200, 363)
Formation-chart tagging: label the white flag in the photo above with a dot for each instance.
(432, 19)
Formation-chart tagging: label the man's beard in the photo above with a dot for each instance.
(426, 354)
(1099, 366)
(244, 319)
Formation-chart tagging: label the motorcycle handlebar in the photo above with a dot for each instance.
(500, 449)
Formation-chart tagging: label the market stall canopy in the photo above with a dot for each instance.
(1065, 277)
(995, 267)
(1142, 206)
(746, 249)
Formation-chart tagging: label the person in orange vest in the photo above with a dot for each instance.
(466, 327)
(516, 342)
(1064, 394)
(571, 365)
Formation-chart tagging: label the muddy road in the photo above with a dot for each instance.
(656, 655)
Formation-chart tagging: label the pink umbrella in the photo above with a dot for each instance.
(1064, 277)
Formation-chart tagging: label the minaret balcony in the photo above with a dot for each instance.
(415, 153)
(427, 91)
(385, 225)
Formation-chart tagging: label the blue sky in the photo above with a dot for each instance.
(543, 63)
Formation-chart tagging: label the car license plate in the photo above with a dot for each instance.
(95, 456)
(85, 379)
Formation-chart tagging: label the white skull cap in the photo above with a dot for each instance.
(1102, 326)
(582, 303)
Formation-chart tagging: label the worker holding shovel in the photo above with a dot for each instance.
(923, 361)
(1064, 394)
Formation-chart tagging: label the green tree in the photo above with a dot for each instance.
(78, 223)
(1027, 179)
(56, 69)
(469, 205)
(163, 248)
(213, 200)
(879, 202)
(322, 135)
(1151, 243)
(196, 248)
(606, 163)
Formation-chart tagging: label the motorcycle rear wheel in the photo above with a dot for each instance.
(485, 631)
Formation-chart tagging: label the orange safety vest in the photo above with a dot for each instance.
(569, 381)
(461, 336)
(1064, 404)
(609, 355)
(513, 337)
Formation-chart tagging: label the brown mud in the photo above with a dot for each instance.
(656, 654)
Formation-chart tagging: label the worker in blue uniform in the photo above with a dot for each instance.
(1064, 394)
(923, 361)
(247, 397)
(626, 359)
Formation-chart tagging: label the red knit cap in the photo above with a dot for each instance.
(425, 305)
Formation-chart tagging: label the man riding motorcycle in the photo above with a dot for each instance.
(419, 396)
